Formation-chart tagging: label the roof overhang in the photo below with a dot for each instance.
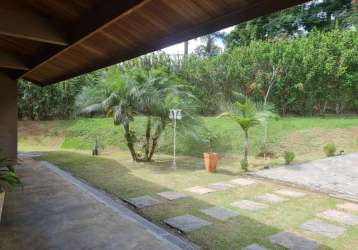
(49, 41)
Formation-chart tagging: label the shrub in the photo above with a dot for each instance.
(289, 157)
(244, 165)
(330, 149)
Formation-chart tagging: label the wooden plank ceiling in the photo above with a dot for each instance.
(46, 41)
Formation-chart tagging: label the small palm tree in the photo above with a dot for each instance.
(150, 94)
(246, 115)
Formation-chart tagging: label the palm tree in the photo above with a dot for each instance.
(246, 115)
(151, 94)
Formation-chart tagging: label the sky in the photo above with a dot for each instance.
(179, 48)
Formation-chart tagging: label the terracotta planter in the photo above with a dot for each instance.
(2, 198)
(211, 161)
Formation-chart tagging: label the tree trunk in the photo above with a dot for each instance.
(130, 142)
(186, 48)
(246, 147)
(147, 138)
(159, 130)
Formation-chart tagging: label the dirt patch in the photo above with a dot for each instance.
(48, 133)
(316, 138)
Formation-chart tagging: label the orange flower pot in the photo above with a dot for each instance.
(211, 161)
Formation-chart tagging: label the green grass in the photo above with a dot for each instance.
(306, 137)
(119, 176)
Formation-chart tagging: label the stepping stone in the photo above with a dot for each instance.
(219, 213)
(271, 198)
(242, 182)
(325, 229)
(200, 190)
(171, 195)
(290, 193)
(339, 216)
(143, 201)
(249, 205)
(186, 223)
(220, 186)
(293, 241)
(348, 206)
(254, 247)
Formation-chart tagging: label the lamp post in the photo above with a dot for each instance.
(174, 115)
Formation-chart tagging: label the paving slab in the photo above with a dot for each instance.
(334, 175)
(290, 193)
(200, 190)
(220, 186)
(187, 223)
(172, 195)
(293, 241)
(339, 216)
(254, 247)
(242, 182)
(220, 213)
(322, 228)
(143, 201)
(249, 205)
(271, 198)
(349, 206)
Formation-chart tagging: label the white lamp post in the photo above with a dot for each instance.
(174, 114)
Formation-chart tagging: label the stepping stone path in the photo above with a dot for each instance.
(293, 241)
(171, 195)
(249, 205)
(242, 182)
(271, 198)
(220, 213)
(339, 216)
(349, 206)
(186, 223)
(254, 247)
(290, 193)
(200, 190)
(220, 186)
(322, 228)
(143, 201)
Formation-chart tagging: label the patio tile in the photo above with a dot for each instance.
(200, 190)
(271, 198)
(249, 205)
(293, 241)
(187, 223)
(220, 213)
(348, 206)
(290, 193)
(322, 228)
(143, 201)
(220, 186)
(171, 195)
(339, 216)
(254, 247)
(242, 182)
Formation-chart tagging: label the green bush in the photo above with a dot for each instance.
(330, 149)
(289, 157)
(244, 165)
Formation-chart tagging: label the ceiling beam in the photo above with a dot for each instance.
(29, 25)
(10, 61)
(106, 13)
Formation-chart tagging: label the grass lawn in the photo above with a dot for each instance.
(119, 176)
(304, 136)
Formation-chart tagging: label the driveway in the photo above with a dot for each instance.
(335, 175)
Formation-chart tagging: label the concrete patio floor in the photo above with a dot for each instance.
(56, 211)
(334, 175)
